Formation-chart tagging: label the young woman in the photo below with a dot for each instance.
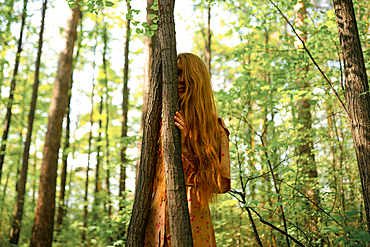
(205, 157)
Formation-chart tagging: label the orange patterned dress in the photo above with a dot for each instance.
(158, 232)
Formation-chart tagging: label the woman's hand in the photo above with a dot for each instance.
(180, 123)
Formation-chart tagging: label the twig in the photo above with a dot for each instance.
(276, 189)
(254, 227)
(277, 229)
(313, 60)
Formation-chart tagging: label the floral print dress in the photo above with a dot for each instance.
(158, 231)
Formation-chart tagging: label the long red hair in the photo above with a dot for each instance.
(203, 137)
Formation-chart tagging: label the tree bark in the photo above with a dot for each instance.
(63, 175)
(178, 211)
(12, 89)
(125, 93)
(15, 230)
(42, 231)
(149, 45)
(357, 92)
(144, 185)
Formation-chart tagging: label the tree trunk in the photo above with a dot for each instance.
(207, 46)
(107, 189)
(98, 148)
(5, 42)
(63, 175)
(15, 230)
(144, 185)
(42, 231)
(306, 158)
(97, 183)
(12, 89)
(178, 211)
(125, 93)
(149, 45)
(357, 96)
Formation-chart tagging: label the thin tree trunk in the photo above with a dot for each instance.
(148, 159)
(179, 221)
(42, 231)
(5, 42)
(357, 96)
(97, 184)
(125, 93)
(85, 211)
(207, 47)
(12, 89)
(306, 161)
(149, 45)
(17, 221)
(98, 148)
(107, 189)
(34, 182)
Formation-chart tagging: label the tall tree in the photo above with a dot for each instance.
(306, 158)
(207, 38)
(17, 221)
(12, 89)
(165, 62)
(97, 182)
(179, 221)
(106, 89)
(66, 151)
(125, 93)
(144, 185)
(42, 231)
(149, 45)
(4, 41)
(357, 92)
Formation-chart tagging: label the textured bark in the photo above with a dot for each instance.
(178, 211)
(12, 89)
(144, 185)
(15, 230)
(125, 93)
(42, 231)
(357, 96)
(149, 45)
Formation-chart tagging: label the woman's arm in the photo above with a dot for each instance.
(224, 158)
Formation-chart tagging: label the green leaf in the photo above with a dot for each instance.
(154, 7)
(129, 16)
(154, 27)
(152, 16)
(277, 204)
(108, 4)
